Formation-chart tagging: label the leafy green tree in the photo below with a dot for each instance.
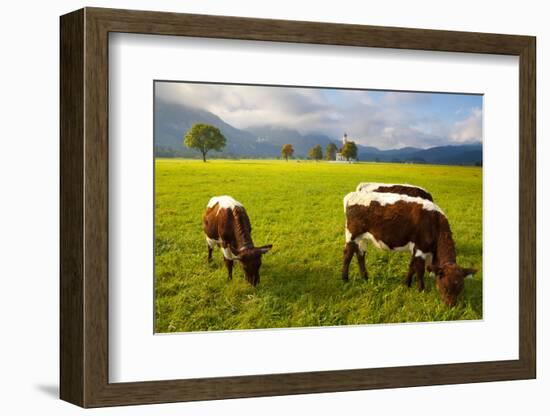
(204, 138)
(349, 151)
(316, 152)
(287, 151)
(330, 151)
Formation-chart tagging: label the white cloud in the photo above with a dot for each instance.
(247, 106)
(392, 120)
(469, 129)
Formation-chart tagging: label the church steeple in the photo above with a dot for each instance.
(339, 156)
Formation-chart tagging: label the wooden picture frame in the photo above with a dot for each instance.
(84, 207)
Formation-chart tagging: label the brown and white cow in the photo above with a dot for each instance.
(399, 222)
(394, 188)
(225, 223)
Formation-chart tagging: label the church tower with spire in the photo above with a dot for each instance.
(339, 157)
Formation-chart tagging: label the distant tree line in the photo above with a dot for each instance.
(205, 138)
(349, 151)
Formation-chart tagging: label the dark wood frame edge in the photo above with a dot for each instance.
(84, 207)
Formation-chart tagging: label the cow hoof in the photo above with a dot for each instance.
(345, 278)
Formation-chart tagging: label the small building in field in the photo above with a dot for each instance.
(339, 156)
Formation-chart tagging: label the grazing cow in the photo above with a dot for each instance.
(392, 188)
(403, 223)
(225, 223)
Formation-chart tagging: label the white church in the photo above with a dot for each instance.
(339, 156)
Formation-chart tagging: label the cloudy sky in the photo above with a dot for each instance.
(386, 120)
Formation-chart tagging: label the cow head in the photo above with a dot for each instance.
(251, 259)
(450, 280)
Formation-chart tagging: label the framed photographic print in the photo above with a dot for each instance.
(255, 207)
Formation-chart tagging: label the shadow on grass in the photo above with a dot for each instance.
(301, 281)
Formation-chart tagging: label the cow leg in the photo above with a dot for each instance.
(420, 266)
(229, 265)
(410, 273)
(349, 251)
(210, 248)
(209, 254)
(360, 252)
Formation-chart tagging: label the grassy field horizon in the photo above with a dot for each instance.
(297, 207)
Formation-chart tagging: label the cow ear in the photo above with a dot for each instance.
(469, 272)
(264, 249)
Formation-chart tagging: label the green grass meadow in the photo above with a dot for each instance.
(298, 208)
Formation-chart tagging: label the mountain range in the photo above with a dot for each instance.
(173, 120)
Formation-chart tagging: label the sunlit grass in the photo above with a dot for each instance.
(298, 208)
